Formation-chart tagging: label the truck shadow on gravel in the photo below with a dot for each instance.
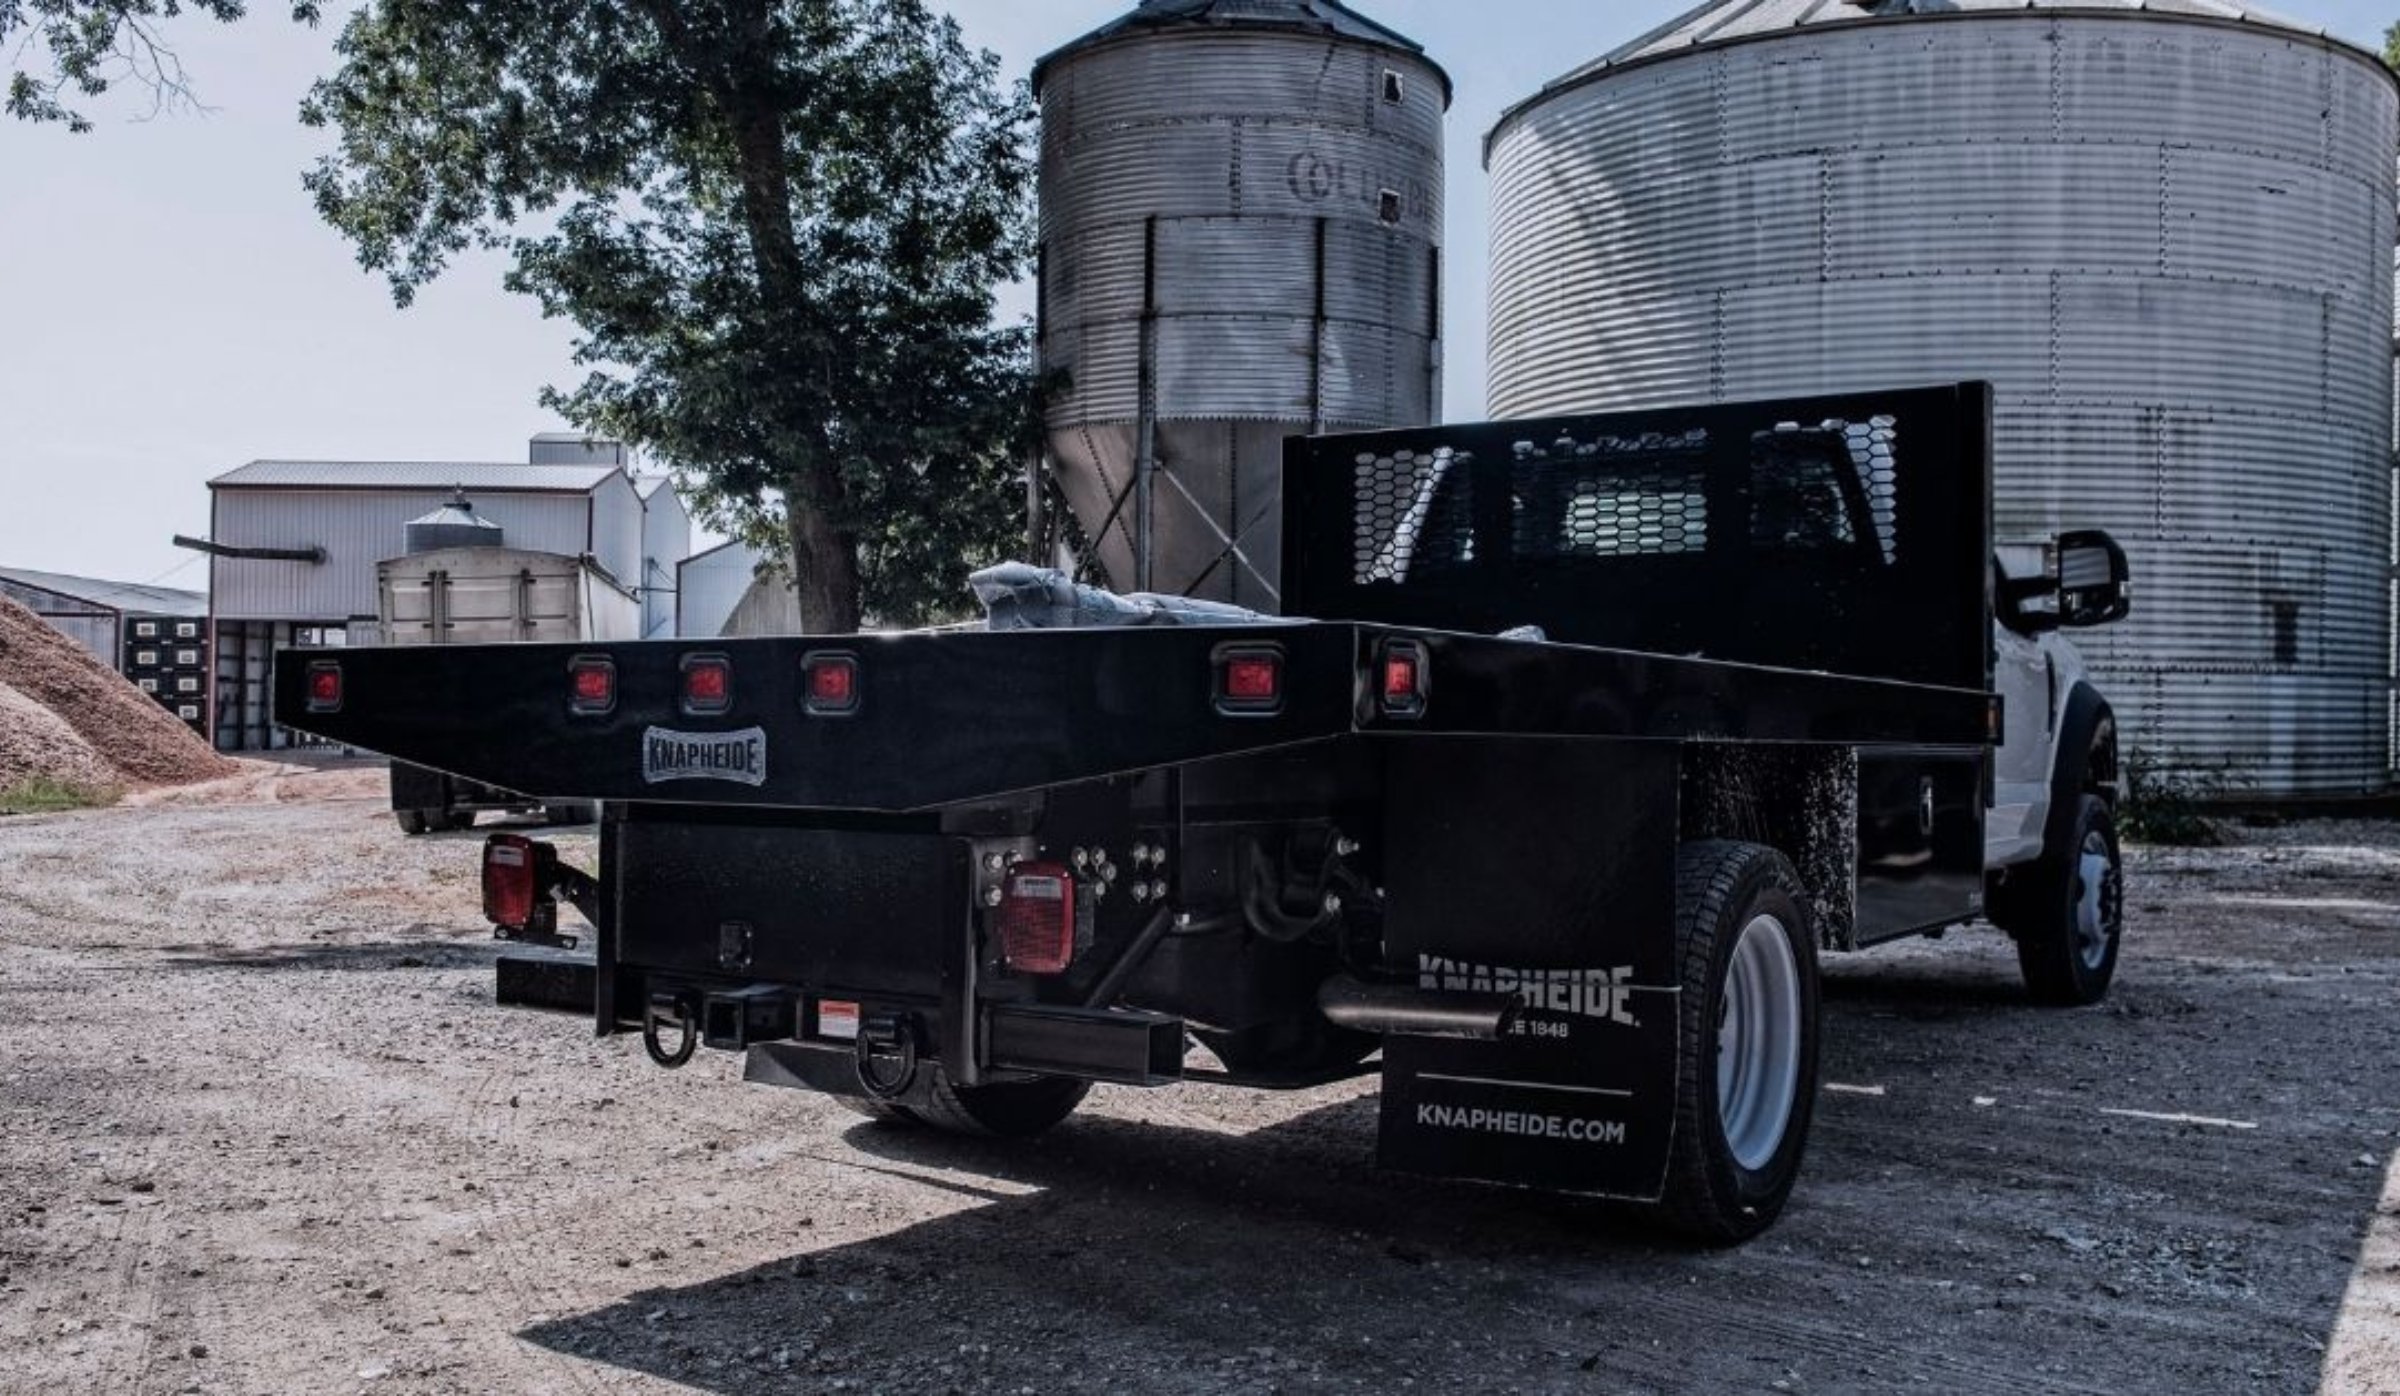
(429, 949)
(1950, 1234)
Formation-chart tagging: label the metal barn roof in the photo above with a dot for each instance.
(1726, 21)
(483, 476)
(115, 596)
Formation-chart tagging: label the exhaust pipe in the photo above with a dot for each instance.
(1395, 1010)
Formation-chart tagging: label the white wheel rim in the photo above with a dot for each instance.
(2098, 901)
(1758, 1043)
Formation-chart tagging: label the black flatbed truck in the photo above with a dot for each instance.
(1566, 894)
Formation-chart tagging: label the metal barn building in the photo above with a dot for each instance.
(728, 591)
(666, 542)
(157, 637)
(269, 519)
(2164, 230)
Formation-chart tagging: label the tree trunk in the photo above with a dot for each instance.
(824, 554)
(824, 568)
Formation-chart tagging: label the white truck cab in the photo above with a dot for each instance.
(2053, 870)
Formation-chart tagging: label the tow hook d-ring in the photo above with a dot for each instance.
(675, 1012)
(881, 1038)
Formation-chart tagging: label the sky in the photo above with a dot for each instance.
(171, 306)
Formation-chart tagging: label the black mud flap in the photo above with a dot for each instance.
(1546, 870)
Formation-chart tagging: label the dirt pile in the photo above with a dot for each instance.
(66, 717)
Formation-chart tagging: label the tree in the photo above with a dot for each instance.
(777, 224)
(2391, 46)
(93, 43)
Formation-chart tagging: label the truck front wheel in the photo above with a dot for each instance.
(2070, 920)
(1747, 1059)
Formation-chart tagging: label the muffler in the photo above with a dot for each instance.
(1397, 1010)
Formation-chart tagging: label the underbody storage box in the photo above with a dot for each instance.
(823, 910)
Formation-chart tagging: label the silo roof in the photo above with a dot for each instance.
(1729, 21)
(488, 476)
(1327, 17)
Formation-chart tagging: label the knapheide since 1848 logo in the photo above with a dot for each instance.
(737, 757)
(1605, 994)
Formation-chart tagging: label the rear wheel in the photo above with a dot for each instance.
(1004, 1109)
(1747, 1060)
(417, 821)
(997, 1110)
(1289, 1049)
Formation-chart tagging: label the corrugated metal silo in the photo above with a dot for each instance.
(2163, 230)
(1241, 240)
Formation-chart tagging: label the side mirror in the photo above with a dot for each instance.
(2077, 581)
(2095, 581)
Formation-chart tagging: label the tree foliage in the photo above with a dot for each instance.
(777, 224)
(92, 44)
(2391, 46)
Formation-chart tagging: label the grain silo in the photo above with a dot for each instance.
(1241, 240)
(2164, 230)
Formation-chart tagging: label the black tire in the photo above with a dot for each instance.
(2069, 927)
(457, 819)
(881, 1111)
(1289, 1049)
(1003, 1109)
(415, 822)
(1000, 1110)
(1713, 1194)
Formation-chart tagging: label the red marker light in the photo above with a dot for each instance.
(1249, 680)
(707, 683)
(1405, 672)
(325, 686)
(1253, 680)
(832, 683)
(592, 685)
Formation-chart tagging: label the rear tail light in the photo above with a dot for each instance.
(830, 682)
(1250, 680)
(707, 684)
(592, 684)
(516, 869)
(325, 686)
(1402, 684)
(1036, 919)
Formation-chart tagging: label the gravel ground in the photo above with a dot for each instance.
(261, 1130)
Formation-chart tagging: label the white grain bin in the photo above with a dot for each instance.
(2163, 230)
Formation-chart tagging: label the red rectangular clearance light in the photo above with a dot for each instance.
(592, 684)
(325, 686)
(830, 682)
(1035, 922)
(1249, 680)
(707, 684)
(1404, 680)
